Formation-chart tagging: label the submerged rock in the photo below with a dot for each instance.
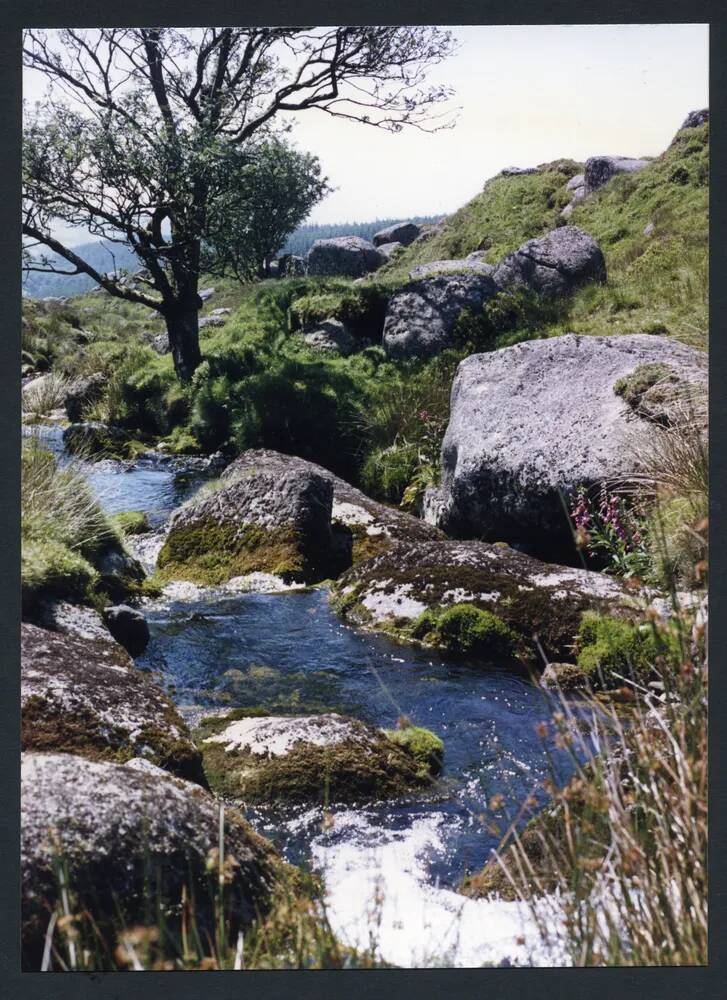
(119, 828)
(429, 590)
(84, 696)
(420, 318)
(346, 255)
(317, 758)
(372, 527)
(553, 264)
(269, 520)
(530, 424)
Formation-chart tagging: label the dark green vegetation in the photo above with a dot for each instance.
(611, 651)
(465, 628)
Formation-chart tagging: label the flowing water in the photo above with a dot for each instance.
(393, 867)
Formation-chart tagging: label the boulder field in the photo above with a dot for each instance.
(421, 317)
(530, 424)
(315, 758)
(115, 827)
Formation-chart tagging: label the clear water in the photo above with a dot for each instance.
(289, 652)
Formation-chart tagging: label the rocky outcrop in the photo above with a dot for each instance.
(314, 758)
(531, 423)
(119, 828)
(401, 232)
(84, 696)
(600, 169)
(420, 318)
(488, 601)
(554, 264)
(266, 519)
(695, 118)
(364, 526)
(389, 249)
(345, 255)
(331, 335)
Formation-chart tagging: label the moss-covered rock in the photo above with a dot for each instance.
(611, 650)
(320, 758)
(131, 838)
(487, 601)
(564, 677)
(84, 696)
(372, 526)
(94, 440)
(130, 522)
(425, 746)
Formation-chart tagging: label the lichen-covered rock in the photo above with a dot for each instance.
(128, 626)
(420, 318)
(315, 758)
(472, 264)
(553, 264)
(119, 829)
(401, 232)
(389, 249)
(531, 423)
(345, 255)
(84, 696)
(331, 335)
(600, 169)
(291, 266)
(264, 520)
(373, 527)
(407, 591)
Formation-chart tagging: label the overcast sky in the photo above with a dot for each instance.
(528, 94)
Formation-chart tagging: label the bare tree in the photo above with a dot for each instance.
(145, 131)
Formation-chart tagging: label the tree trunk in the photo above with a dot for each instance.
(183, 329)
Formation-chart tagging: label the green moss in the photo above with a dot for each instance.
(610, 649)
(49, 567)
(130, 522)
(426, 748)
(209, 554)
(468, 629)
(632, 387)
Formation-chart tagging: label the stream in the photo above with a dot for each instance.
(390, 869)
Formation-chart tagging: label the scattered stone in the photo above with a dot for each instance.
(531, 423)
(346, 255)
(401, 232)
(564, 677)
(649, 229)
(389, 249)
(404, 589)
(160, 343)
(128, 626)
(373, 527)
(206, 294)
(116, 826)
(553, 264)
(518, 171)
(222, 311)
(211, 320)
(420, 318)
(600, 169)
(314, 758)
(331, 335)
(84, 696)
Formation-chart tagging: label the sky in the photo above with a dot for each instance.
(527, 94)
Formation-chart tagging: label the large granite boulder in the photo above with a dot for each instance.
(84, 696)
(529, 424)
(401, 232)
(487, 601)
(265, 520)
(119, 829)
(81, 393)
(345, 255)
(420, 318)
(361, 525)
(553, 264)
(600, 169)
(316, 758)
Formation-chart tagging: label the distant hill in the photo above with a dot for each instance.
(98, 254)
